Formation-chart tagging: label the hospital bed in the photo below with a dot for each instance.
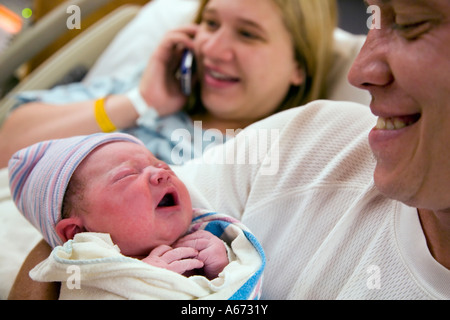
(82, 51)
(113, 45)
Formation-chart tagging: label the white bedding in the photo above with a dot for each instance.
(17, 236)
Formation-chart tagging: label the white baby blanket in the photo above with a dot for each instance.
(91, 267)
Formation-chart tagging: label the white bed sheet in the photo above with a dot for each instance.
(17, 237)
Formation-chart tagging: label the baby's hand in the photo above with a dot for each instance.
(211, 251)
(180, 259)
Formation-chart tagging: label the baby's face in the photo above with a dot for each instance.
(134, 197)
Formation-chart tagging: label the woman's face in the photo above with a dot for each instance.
(245, 59)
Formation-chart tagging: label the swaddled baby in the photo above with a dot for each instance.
(131, 204)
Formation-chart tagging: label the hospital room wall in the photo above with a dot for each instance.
(353, 16)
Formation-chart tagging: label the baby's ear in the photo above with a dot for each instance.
(68, 228)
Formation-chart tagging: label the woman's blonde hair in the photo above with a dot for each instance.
(311, 24)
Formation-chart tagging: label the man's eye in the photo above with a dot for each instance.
(412, 31)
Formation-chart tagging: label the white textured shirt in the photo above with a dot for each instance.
(302, 181)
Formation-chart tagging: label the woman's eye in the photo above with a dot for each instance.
(248, 35)
(210, 24)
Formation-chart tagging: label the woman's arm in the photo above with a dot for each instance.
(26, 289)
(40, 121)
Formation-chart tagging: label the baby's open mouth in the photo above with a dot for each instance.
(169, 200)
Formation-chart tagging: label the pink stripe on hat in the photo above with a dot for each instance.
(39, 175)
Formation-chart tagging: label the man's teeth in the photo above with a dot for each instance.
(393, 123)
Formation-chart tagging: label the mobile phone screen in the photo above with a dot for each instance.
(187, 63)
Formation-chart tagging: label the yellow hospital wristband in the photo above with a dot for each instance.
(102, 118)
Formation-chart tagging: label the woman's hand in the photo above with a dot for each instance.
(211, 251)
(159, 86)
(179, 260)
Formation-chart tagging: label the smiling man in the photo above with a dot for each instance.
(405, 66)
(358, 199)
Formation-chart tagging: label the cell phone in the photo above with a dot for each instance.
(186, 71)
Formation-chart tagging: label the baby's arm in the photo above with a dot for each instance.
(180, 260)
(211, 251)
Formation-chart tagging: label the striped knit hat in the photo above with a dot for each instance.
(39, 175)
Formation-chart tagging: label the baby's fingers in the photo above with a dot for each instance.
(199, 240)
(197, 244)
(182, 266)
(179, 260)
(182, 259)
(179, 254)
(160, 250)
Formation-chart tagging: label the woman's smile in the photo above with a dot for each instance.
(215, 79)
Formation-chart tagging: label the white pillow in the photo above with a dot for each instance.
(139, 38)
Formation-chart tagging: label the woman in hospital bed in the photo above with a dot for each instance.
(249, 64)
(122, 217)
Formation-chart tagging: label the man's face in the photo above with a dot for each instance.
(405, 65)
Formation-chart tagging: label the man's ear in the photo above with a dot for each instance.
(68, 228)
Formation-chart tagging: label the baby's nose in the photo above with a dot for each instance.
(158, 175)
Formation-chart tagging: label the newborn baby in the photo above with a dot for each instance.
(107, 205)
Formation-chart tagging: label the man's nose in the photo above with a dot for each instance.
(371, 66)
